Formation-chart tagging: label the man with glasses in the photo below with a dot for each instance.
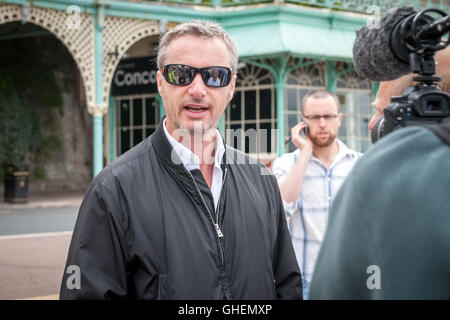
(181, 215)
(310, 176)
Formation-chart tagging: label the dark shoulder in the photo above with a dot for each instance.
(400, 152)
(125, 164)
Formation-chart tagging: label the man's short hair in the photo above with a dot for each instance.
(319, 94)
(198, 28)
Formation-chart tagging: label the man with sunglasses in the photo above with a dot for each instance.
(310, 176)
(181, 215)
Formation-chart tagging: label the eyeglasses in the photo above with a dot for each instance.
(326, 117)
(182, 75)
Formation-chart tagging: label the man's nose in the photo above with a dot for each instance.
(322, 122)
(197, 88)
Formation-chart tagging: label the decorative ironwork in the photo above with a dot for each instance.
(251, 75)
(309, 76)
(350, 79)
(121, 33)
(370, 7)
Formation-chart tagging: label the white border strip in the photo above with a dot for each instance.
(35, 235)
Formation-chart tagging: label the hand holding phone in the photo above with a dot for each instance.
(300, 129)
(300, 136)
(305, 130)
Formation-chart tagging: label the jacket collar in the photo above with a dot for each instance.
(165, 151)
(190, 159)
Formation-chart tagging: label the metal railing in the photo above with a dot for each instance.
(361, 6)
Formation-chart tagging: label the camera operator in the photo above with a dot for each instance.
(388, 234)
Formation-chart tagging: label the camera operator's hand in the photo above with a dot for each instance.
(304, 144)
(385, 92)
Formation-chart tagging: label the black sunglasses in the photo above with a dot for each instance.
(182, 75)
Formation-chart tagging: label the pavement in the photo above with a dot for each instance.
(45, 199)
(34, 242)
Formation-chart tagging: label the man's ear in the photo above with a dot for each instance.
(159, 82)
(339, 119)
(232, 87)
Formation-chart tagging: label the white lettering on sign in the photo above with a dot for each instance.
(122, 78)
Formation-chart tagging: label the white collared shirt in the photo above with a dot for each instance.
(191, 161)
(308, 215)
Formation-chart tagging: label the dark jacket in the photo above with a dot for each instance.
(388, 234)
(144, 232)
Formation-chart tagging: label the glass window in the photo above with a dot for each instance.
(151, 111)
(137, 112)
(293, 119)
(137, 118)
(343, 128)
(265, 137)
(251, 139)
(234, 136)
(125, 139)
(250, 105)
(251, 114)
(355, 118)
(137, 136)
(292, 99)
(265, 104)
(124, 113)
(235, 107)
(149, 131)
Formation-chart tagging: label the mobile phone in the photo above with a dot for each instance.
(305, 129)
(304, 132)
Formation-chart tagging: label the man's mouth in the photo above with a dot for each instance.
(323, 134)
(195, 109)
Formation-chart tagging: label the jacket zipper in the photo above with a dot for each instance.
(217, 216)
(215, 223)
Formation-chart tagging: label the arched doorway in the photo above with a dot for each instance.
(43, 109)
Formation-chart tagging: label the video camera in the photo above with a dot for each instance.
(415, 40)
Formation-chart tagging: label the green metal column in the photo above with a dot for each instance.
(98, 144)
(160, 106)
(98, 116)
(221, 126)
(375, 87)
(280, 84)
(112, 128)
(332, 76)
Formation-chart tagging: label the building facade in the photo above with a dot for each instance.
(286, 48)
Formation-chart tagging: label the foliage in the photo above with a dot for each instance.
(30, 104)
